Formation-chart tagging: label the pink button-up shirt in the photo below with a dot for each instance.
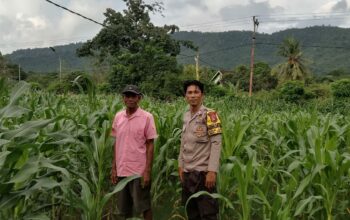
(131, 134)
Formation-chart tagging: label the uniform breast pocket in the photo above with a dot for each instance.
(203, 139)
(200, 133)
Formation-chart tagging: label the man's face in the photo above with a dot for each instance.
(131, 100)
(194, 96)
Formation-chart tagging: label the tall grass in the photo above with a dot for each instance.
(279, 161)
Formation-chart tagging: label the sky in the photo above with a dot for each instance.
(37, 23)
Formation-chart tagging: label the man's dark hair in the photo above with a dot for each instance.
(193, 83)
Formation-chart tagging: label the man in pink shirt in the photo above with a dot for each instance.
(135, 131)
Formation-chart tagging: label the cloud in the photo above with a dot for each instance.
(185, 4)
(250, 9)
(36, 23)
(240, 16)
(340, 6)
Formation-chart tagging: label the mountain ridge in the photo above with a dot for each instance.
(325, 47)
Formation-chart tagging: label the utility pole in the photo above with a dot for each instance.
(59, 57)
(60, 62)
(256, 24)
(196, 58)
(19, 72)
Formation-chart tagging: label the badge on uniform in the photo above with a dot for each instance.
(200, 131)
(213, 123)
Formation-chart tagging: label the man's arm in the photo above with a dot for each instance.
(114, 175)
(149, 161)
(215, 136)
(180, 162)
(214, 160)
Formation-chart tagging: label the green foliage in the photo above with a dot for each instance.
(3, 90)
(75, 82)
(10, 70)
(219, 91)
(262, 79)
(44, 60)
(58, 87)
(78, 82)
(104, 88)
(205, 73)
(44, 79)
(341, 88)
(35, 86)
(292, 91)
(139, 52)
(279, 160)
(294, 68)
(319, 90)
(324, 59)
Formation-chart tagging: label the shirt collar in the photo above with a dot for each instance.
(200, 111)
(137, 113)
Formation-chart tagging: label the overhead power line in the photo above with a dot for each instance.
(211, 65)
(306, 46)
(76, 13)
(303, 14)
(231, 21)
(276, 20)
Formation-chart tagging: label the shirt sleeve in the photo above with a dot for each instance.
(180, 158)
(150, 131)
(215, 136)
(215, 150)
(114, 127)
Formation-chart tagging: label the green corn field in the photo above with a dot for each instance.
(278, 161)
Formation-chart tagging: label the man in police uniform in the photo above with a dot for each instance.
(199, 154)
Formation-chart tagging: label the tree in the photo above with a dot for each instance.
(262, 77)
(9, 70)
(295, 66)
(139, 52)
(189, 72)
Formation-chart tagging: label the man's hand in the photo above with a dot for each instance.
(146, 179)
(210, 179)
(114, 175)
(181, 173)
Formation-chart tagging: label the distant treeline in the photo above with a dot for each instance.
(326, 48)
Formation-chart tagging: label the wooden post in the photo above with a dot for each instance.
(19, 72)
(256, 23)
(196, 58)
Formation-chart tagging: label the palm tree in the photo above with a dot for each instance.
(295, 66)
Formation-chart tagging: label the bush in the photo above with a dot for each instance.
(341, 88)
(35, 86)
(320, 90)
(58, 87)
(292, 91)
(104, 88)
(218, 90)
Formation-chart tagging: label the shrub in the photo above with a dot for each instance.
(104, 88)
(341, 88)
(218, 90)
(292, 91)
(58, 87)
(35, 86)
(319, 90)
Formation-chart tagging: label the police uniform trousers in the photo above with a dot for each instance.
(203, 207)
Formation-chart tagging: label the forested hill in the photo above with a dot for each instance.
(326, 49)
(46, 60)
